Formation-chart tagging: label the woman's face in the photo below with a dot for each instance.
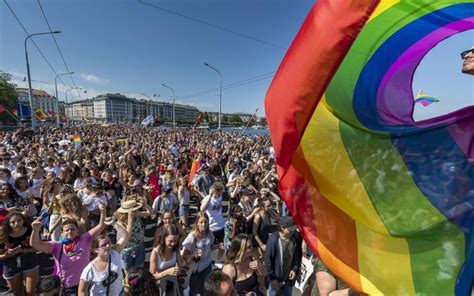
(70, 231)
(171, 241)
(104, 247)
(202, 224)
(248, 249)
(4, 190)
(167, 219)
(3, 175)
(23, 184)
(16, 222)
(71, 205)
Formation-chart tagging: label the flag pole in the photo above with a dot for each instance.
(16, 118)
(248, 122)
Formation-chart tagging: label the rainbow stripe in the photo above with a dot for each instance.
(425, 99)
(388, 202)
(77, 140)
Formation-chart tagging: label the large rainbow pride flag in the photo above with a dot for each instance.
(386, 202)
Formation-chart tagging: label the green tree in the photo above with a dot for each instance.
(8, 96)
(235, 118)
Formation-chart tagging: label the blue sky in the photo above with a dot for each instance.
(131, 48)
(127, 47)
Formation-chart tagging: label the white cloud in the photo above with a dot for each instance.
(93, 78)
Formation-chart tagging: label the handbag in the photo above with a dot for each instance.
(306, 270)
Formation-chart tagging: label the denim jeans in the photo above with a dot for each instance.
(196, 282)
(285, 289)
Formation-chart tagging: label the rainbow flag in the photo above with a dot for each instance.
(386, 202)
(77, 140)
(120, 139)
(425, 99)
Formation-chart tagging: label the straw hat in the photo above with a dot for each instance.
(129, 205)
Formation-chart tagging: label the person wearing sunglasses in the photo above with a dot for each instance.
(468, 57)
(103, 275)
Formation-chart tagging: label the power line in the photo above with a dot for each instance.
(232, 85)
(56, 42)
(26, 31)
(212, 25)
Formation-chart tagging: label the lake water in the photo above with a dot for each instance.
(249, 131)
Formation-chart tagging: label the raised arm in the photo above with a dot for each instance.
(98, 229)
(35, 240)
(122, 233)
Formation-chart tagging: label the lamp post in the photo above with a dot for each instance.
(57, 98)
(220, 92)
(30, 91)
(174, 103)
(71, 107)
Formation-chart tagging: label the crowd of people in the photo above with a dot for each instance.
(128, 210)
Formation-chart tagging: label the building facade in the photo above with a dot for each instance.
(42, 101)
(117, 108)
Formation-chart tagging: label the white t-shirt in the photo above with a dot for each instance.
(162, 204)
(92, 201)
(95, 278)
(54, 169)
(193, 244)
(214, 211)
(36, 186)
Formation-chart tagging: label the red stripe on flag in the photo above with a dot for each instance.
(313, 58)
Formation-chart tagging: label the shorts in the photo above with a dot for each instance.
(22, 263)
(218, 236)
(183, 210)
(132, 257)
(321, 267)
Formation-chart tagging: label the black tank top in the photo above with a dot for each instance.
(250, 284)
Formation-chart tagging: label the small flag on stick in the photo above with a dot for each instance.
(77, 140)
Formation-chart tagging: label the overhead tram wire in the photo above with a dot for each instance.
(32, 40)
(237, 84)
(231, 85)
(212, 25)
(56, 42)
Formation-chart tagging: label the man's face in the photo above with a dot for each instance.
(468, 65)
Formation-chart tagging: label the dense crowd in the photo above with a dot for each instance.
(132, 211)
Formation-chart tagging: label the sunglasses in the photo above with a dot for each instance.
(466, 52)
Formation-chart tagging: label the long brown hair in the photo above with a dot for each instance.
(238, 247)
(167, 231)
(6, 228)
(73, 199)
(195, 230)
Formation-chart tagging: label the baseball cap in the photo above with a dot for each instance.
(288, 223)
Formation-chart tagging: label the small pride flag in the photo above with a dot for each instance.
(120, 139)
(77, 140)
(425, 99)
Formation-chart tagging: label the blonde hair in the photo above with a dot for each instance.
(195, 230)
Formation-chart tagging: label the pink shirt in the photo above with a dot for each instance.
(72, 265)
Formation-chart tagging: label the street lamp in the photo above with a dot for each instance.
(174, 103)
(57, 98)
(30, 91)
(220, 92)
(67, 103)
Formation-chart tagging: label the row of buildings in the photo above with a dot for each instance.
(119, 108)
(109, 108)
(103, 108)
